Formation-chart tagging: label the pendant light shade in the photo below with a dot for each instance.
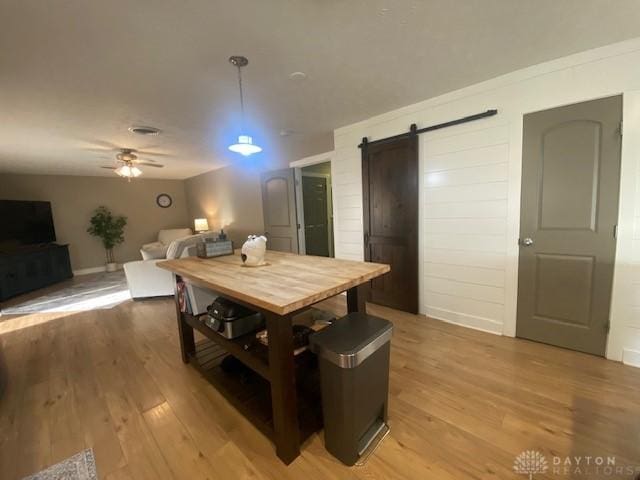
(244, 145)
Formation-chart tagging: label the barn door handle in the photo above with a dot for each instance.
(366, 239)
(526, 242)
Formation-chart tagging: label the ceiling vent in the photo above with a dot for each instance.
(149, 131)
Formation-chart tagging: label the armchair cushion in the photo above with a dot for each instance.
(167, 236)
(154, 250)
(179, 246)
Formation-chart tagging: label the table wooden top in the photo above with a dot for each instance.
(288, 283)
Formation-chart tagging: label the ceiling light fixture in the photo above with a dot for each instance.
(298, 76)
(128, 171)
(245, 145)
(127, 164)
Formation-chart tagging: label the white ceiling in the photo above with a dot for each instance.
(75, 74)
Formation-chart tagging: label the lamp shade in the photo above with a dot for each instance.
(201, 224)
(128, 171)
(245, 146)
(124, 171)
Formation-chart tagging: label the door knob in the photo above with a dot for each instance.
(526, 242)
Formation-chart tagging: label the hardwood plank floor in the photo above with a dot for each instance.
(463, 403)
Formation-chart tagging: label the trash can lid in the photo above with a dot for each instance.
(351, 339)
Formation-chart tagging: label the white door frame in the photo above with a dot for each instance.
(297, 174)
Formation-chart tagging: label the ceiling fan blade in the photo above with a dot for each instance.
(96, 149)
(108, 168)
(154, 154)
(105, 144)
(147, 164)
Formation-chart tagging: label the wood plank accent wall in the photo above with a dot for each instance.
(470, 189)
(465, 224)
(634, 318)
(463, 210)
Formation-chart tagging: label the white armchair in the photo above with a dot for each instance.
(158, 249)
(145, 279)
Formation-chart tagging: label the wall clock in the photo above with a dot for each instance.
(164, 200)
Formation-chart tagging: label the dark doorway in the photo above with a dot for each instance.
(316, 229)
(316, 217)
(569, 211)
(390, 214)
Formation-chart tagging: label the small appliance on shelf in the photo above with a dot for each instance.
(215, 247)
(232, 320)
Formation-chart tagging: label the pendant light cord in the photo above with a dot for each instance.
(241, 95)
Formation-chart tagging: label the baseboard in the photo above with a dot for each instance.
(476, 323)
(87, 271)
(631, 357)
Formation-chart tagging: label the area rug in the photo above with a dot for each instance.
(100, 291)
(82, 466)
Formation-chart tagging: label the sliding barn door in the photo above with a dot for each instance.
(390, 214)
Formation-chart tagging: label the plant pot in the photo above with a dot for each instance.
(111, 267)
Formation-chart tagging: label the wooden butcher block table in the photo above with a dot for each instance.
(283, 288)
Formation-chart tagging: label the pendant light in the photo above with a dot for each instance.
(245, 145)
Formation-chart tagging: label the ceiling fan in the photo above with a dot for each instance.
(127, 164)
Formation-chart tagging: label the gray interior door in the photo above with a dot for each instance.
(569, 210)
(279, 207)
(315, 197)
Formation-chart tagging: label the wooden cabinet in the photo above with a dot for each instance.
(31, 268)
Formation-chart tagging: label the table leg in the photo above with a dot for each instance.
(185, 332)
(357, 298)
(283, 387)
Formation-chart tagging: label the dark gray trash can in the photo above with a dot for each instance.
(353, 356)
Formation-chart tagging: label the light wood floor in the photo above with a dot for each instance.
(463, 404)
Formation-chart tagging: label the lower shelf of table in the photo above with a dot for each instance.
(250, 394)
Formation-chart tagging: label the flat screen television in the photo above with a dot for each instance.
(25, 223)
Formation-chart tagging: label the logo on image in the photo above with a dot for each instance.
(530, 462)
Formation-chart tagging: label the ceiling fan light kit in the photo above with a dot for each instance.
(129, 164)
(244, 145)
(128, 171)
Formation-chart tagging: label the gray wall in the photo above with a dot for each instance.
(231, 197)
(228, 198)
(73, 199)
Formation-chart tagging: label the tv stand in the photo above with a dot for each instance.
(32, 267)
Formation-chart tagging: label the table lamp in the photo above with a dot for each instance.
(201, 225)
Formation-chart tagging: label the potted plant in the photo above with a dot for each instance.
(110, 229)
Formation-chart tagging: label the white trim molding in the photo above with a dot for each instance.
(631, 357)
(90, 270)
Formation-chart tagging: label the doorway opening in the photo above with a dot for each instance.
(315, 209)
